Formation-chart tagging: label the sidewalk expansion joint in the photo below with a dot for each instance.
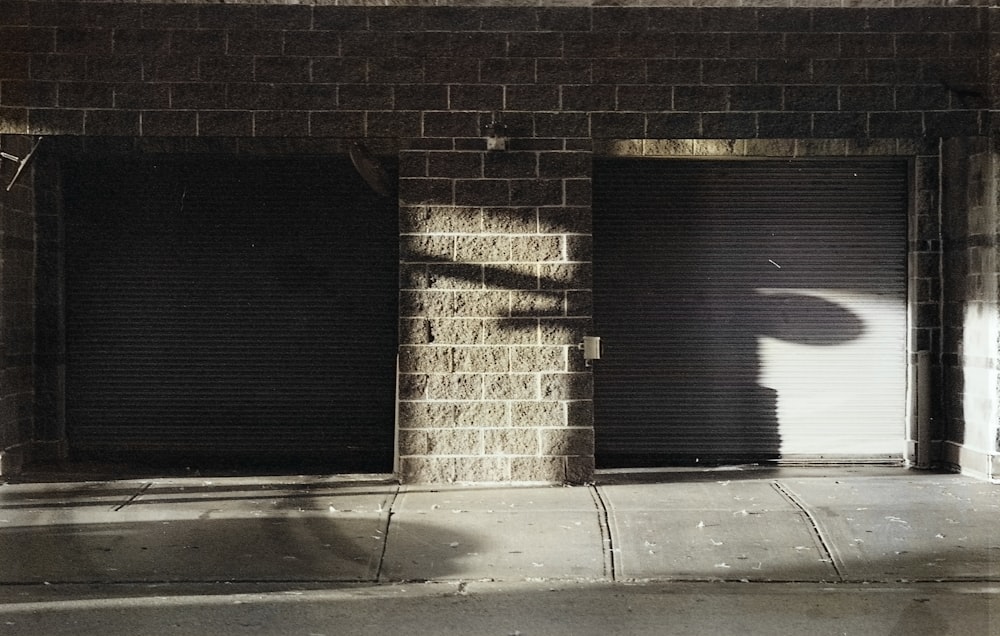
(814, 526)
(385, 532)
(136, 495)
(607, 540)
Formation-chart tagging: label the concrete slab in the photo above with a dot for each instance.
(712, 530)
(752, 495)
(193, 530)
(911, 527)
(758, 526)
(501, 534)
(423, 499)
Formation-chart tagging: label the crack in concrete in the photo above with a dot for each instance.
(385, 532)
(607, 540)
(134, 496)
(814, 526)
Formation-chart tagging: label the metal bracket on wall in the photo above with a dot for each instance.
(371, 170)
(20, 161)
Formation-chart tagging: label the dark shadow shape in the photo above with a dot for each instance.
(307, 534)
(703, 392)
(804, 319)
(427, 272)
(103, 494)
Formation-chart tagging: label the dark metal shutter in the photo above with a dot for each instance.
(750, 310)
(230, 309)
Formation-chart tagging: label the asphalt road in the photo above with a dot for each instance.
(527, 608)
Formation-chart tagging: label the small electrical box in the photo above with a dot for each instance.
(591, 347)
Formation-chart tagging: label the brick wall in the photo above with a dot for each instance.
(971, 354)
(49, 438)
(300, 70)
(17, 285)
(495, 245)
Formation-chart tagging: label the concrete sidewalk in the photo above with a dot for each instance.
(749, 525)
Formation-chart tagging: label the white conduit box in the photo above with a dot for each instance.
(591, 347)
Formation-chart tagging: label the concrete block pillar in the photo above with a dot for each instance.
(495, 295)
(972, 306)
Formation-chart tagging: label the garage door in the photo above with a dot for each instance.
(230, 310)
(750, 310)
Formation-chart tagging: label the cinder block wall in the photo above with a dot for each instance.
(972, 307)
(495, 266)
(17, 309)
(495, 296)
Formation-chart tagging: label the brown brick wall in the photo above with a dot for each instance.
(495, 267)
(17, 309)
(660, 72)
(49, 438)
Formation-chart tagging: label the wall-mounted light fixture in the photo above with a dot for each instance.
(496, 134)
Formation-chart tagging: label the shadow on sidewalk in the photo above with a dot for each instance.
(199, 532)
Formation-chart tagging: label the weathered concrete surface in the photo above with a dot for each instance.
(727, 525)
(705, 552)
(846, 526)
(906, 527)
(506, 609)
(723, 529)
(505, 534)
(193, 530)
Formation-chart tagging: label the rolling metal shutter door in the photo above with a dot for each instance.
(232, 309)
(750, 310)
